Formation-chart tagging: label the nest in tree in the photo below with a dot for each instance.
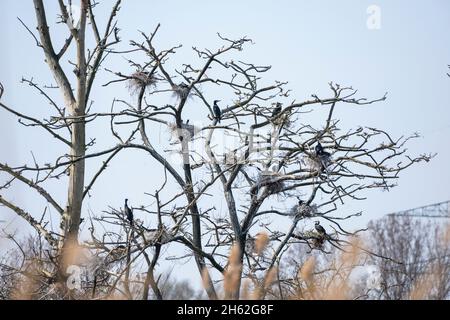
(312, 163)
(230, 159)
(276, 187)
(284, 120)
(314, 238)
(141, 80)
(117, 253)
(186, 132)
(316, 163)
(317, 243)
(154, 236)
(250, 245)
(181, 91)
(304, 210)
(271, 181)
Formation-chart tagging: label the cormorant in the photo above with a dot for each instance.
(319, 228)
(128, 212)
(323, 156)
(217, 112)
(318, 148)
(277, 110)
(321, 152)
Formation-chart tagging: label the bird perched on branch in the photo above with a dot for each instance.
(320, 151)
(323, 155)
(325, 161)
(319, 228)
(277, 110)
(128, 212)
(217, 111)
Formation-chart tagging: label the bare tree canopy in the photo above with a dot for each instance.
(243, 161)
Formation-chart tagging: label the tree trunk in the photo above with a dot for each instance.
(196, 226)
(72, 216)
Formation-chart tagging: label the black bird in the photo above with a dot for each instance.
(277, 110)
(217, 111)
(319, 148)
(325, 157)
(320, 151)
(319, 228)
(128, 212)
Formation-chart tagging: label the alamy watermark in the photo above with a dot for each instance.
(374, 17)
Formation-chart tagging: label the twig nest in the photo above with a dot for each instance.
(311, 163)
(181, 91)
(315, 162)
(118, 252)
(314, 238)
(256, 245)
(271, 181)
(230, 159)
(250, 247)
(140, 80)
(157, 235)
(284, 120)
(318, 242)
(186, 132)
(303, 210)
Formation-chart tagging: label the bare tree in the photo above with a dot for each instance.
(422, 258)
(277, 153)
(402, 257)
(69, 128)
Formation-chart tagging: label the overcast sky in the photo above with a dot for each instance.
(308, 43)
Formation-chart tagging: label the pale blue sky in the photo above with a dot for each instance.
(308, 43)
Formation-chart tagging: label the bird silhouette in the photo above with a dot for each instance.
(320, 151)
(325, 161)
(319, 228)
(217, 111)
(324, 156)
(128, 212)
(277, 110)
